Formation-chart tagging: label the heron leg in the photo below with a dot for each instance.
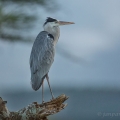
(43, 91)
(47, 77)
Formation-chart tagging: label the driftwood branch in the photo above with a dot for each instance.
(33, 111)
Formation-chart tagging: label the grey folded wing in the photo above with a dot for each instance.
(41, 58)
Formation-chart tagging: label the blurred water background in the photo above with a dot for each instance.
(87, 61)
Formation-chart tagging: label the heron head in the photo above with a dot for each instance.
(54, 22)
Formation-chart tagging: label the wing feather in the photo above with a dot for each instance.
(41, 58)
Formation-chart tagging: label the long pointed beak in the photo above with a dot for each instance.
(65, 23)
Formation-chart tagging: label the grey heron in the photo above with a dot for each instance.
(43, 52)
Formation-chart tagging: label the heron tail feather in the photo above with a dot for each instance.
(36, 82)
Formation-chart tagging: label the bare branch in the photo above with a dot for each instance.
(33, 111)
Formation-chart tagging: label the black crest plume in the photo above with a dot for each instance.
(49, 19)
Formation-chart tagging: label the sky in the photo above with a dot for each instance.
(93, 41)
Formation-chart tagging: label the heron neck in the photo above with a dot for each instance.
(55, 31)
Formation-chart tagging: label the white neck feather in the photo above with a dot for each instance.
(54, 30)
